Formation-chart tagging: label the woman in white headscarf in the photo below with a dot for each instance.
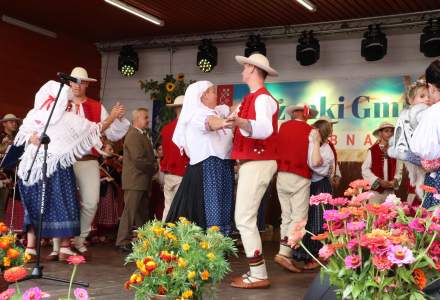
(71, 137)
(206, 192)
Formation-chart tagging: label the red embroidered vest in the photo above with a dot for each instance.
(92, 110)
(173, 162)
(293, 147)
(377, 163)
(245, 148)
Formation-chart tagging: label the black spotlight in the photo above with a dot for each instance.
(254, 45)
(207, 56)
(128, 61)
(307, 50)
(374, 44)
(430, 39)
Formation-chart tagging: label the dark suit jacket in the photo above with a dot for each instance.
(139, 163)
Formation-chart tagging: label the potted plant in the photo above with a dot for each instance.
(11, 254)
(178, 260)
(377, 251)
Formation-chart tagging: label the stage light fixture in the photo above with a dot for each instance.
(430, 39)
(128, 61)
(254, 45)
(374, 44)
(308, 49)
(307, 4)
(207, 56)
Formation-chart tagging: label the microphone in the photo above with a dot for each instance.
(66, 78)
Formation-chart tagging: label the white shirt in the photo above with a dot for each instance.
(203, 143)
(328, 161)
(425, 141)
(265, 107)
(116, 131)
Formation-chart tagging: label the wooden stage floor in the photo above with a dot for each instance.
(106, 274)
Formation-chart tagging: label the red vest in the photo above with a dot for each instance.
(92, 110)
(293, 147)
(173, 162)
(245, 148)
(377, 163)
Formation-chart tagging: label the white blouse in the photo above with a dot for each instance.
(328, 161)
(203, 143)
(425, 141)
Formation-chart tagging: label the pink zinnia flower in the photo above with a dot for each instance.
(81, 294)
(435, 249)
(360, 183)
(382, 263)
(364, 196)
(355, 226)
(352, 244)
(392, 200)
(6, 295)
(295, 238)
(400, 255)
(331, 215)
(340, 201)
(76, 259)
(326, 252)
(434, 227)
(417, 224)
(322, 198)
(352, 261)
(34, 294)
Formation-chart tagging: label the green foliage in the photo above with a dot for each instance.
(178, 260)
(163, 93)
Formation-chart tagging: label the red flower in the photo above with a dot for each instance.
(161, 290)
(382, 263)
(360, 183)
(419, 278)
(429, 189)
(15, 274)
(377, 209)
(76, 259)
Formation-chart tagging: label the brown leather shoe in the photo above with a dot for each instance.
(287, 263)
(241, 284)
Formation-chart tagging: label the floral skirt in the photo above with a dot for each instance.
(61, 209)
(432, 179)
(315, 222)
(205, 195)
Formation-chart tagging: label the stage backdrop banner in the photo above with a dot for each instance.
(359, 106)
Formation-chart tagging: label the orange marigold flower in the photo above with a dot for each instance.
(150, 266)
(162, 290)
(13, 253)
(419, 278)
(6, 261)
(76, 259)
(214, 228)
(429, 189)
(204, 275)
(127, 285)
(3, 228)
(320, 237)
(204, 245)
(15, 274)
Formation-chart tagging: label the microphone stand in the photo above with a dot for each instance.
(37, 271)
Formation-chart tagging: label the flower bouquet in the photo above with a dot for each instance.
(11, 255)
(178, 260)
(376, 251)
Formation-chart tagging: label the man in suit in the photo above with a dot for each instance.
(138, 167)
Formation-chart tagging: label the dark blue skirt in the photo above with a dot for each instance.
(315, 222)
(61, 211)
(205, 195)
(430, 201)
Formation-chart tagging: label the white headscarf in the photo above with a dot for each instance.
(191, 106)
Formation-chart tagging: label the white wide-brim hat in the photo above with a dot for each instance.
(312, 112)
(258, 60)
(325, 118)
(382, 125)
(9, 117)
(81, 74)
(177, 102)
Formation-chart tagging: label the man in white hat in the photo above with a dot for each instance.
(336, 176)
(294, 176)
(10, 125)
(173, 163)
(87, 169)
(255, 146)
(383, 173)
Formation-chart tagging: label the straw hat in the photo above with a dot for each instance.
(382, 125)
(9, 117)
(177, 102)
(81, 74)
(301, 106)
(258, 60)
(325, 118)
